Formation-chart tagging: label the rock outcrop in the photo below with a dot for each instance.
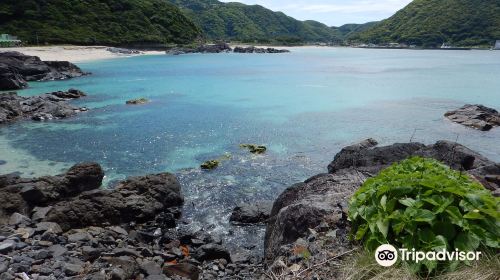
(43, 107)
(214, 48)
(475, 116)
(321, 201)
(16, 69)
(222, 48)
(21, 195)
(67, 227)
(253, 49)
(138, 199)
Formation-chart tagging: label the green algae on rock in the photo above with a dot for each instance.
(254, 149)
(137, 101)
(210, 165)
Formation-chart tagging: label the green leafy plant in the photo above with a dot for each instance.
(423, 204)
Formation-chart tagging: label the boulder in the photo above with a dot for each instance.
(24, 195)
(251, 213)
(137, 199)
(186, 270)
(475, 116)
(304, 206)
(210, 252)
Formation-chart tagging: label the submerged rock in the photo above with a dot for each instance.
(137, 101)
(475, 116)
(16, 69)
(254, 149)
(210, 165)
(42, 107)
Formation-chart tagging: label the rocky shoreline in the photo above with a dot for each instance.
(476, 116)
(17, 69)
(69, 227)
(222, 48)
(43, 107)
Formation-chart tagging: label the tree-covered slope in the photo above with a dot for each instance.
(114, 22)
(433, 22)
(351, 29)
(236, 21)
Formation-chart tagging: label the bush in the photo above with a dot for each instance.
(423, 204)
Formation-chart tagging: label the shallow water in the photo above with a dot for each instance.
(304, 106)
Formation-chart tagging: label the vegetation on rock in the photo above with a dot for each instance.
(254, 149)
(111, 22)
(423, 204)
(431, 23)
(137, 101)
(210, 164)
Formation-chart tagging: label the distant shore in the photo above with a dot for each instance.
(73, 54)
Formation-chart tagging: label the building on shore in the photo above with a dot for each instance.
(497, 45)
(7, 40)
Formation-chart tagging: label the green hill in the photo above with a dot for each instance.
(348, 30)
(112, 22)
(249, 23)
(433, 22)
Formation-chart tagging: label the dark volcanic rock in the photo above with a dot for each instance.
(323, 199)
(43, 107)
(214, 48)
(251, 213)
(373, 159)
(11, 81)
(22, 195)
(16, 69)
(475, 116)
(212, 252)
(253, 49)
(137, 199)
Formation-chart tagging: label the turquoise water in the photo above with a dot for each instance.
(304, 106)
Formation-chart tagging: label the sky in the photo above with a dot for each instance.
(333, 12)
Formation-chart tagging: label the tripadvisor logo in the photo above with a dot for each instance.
(387, 255)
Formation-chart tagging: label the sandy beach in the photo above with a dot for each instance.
(73, 53)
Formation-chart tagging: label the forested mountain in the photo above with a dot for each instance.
(113, 22)
(434, 22)
(249, 23)
(348, 30)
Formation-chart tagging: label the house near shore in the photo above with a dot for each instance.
(7, 40)
(497, 45)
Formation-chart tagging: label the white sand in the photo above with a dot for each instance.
(73, 53)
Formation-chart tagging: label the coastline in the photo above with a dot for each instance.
(74, 54)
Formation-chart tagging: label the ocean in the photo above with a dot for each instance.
(304, 106)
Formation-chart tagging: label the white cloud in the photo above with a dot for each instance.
(333, 11)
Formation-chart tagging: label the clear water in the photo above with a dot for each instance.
(304, 106)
